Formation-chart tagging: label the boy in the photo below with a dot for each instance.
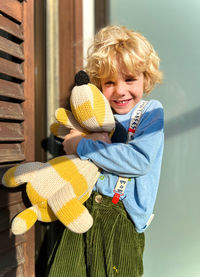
(124, 65)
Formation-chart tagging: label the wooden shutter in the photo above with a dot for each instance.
(70, 45)
(16, 126)
(101, 14)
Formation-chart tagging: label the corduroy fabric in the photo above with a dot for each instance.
(110, 248)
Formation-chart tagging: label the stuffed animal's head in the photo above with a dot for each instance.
(90, 107)
(91, 111)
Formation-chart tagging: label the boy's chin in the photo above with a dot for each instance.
(123, 110)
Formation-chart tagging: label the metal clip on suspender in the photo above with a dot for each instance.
(122, 181)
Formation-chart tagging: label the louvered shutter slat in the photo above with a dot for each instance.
(11, 152)
(11, 260)
(12, 8)
(11, 27)
(13, 199)
(17, 125)
(11, 48)
(11, 132)
(11, 69)
(18, 239)
(12, 90)
(9, 110)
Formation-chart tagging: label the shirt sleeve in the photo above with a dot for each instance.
(135, 158)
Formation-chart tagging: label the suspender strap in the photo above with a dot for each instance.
(135, 120)
(122, 181)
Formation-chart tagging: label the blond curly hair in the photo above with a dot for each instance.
(117, 47)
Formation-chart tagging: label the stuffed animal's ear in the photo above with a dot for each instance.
(66, 118)
(81, 78)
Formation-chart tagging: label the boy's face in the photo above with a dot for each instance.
(124, 92)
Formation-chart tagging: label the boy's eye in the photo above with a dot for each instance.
(130, 79)
(109, 83)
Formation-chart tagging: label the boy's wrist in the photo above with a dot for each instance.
(71, 142)
(80, 147)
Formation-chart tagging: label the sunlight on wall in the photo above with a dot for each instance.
(173, 241)
(52, 60)
(88, 25)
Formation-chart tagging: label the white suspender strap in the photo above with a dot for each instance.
(122, 181)
(135, 120)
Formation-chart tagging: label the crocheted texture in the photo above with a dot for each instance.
(81, 78)
(58, 188)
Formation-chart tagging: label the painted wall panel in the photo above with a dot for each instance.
(173, 239)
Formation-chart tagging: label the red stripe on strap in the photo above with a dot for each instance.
(131, 130)
(116, 197)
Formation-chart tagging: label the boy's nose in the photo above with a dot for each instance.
(120, 89)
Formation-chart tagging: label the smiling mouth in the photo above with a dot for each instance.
(121, 102)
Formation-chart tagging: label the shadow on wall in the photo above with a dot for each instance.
(182, 123)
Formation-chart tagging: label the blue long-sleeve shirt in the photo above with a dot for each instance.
(140, 160)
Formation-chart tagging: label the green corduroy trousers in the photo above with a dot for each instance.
(110, 248)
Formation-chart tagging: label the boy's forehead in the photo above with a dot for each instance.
(118, 68)
(119, 73)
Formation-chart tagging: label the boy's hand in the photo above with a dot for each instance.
(72, 140)
(99, 136)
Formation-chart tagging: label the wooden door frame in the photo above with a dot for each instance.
(69, 37)
(102, 10)
(29, 115)
(70, 46)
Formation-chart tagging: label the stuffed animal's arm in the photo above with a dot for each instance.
(66, 121)
(59, 130)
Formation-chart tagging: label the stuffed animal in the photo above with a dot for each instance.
(58, 188)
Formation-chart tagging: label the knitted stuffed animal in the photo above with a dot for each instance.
(58, 188)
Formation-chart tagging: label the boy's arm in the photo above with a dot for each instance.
(132, 159)
(72, 140)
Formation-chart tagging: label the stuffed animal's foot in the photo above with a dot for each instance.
(24, 221)
(20, 174)
(82, 223)
(70, 211)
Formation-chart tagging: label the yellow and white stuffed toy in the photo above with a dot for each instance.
(58, 188)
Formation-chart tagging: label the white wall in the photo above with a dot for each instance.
(172, 26)
(88, 25)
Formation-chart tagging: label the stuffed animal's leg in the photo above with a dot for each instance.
(20, 174)
(24, 220)
(70, 211)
